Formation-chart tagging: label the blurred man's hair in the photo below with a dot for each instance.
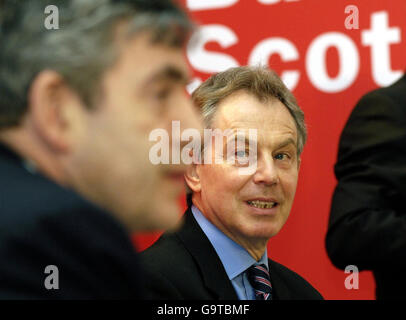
(80, 50)
(261, 82)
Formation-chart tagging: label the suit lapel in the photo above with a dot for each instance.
(279, 289)
(213, 273)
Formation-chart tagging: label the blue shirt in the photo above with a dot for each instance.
(235, 259)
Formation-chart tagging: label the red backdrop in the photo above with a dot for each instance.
(329, 63)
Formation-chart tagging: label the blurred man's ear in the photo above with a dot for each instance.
(53, 109)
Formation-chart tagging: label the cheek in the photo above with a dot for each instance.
(210, 184)
(77, 120)
(289, 184)
(129, 113)
(223, 184)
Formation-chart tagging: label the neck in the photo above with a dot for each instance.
(256, 250)
(255, 247)
(31, 149)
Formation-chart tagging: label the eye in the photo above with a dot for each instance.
(242, 158)
(241, 153)
(282, 156)
(162, 94)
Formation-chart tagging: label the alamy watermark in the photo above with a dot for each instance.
(51, 21)
(235, 147)
(351, 282)
(51, 281)
(352, 20)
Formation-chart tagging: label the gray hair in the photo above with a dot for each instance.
(263, 83)
(80, 50)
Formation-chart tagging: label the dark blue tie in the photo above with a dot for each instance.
(258, 275)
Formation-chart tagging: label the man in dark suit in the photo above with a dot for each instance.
(43, 224)
(76, 109)
(242, 189)
(367, 226)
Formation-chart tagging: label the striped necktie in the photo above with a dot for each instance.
(258, 276)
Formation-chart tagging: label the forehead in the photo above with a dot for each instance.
(244, 111)
(139, 57)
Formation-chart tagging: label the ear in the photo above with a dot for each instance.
(299, 162)
(192, 175)
(49, 99)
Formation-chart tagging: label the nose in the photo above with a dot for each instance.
(189, 116)
(190, 121)
(267, 171)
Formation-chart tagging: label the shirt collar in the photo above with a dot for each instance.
(234, 257)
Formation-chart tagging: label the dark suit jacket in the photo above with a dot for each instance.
(44, 224)
(367, 225)
(184, 265)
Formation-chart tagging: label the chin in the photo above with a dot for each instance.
(265, 232)
(156, 217)
(166, 216)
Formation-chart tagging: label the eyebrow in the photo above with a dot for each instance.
(247, 140)
(169, 73)
(286, 143)
(279, 146)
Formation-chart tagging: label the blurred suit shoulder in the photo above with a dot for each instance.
(44, 224)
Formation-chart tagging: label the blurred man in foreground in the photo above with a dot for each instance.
(367, 226)
(238, 205)
(76, 109)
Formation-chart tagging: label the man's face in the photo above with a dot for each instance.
(256, 206)
(144, 90)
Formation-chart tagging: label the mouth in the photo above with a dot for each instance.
(262, 204)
